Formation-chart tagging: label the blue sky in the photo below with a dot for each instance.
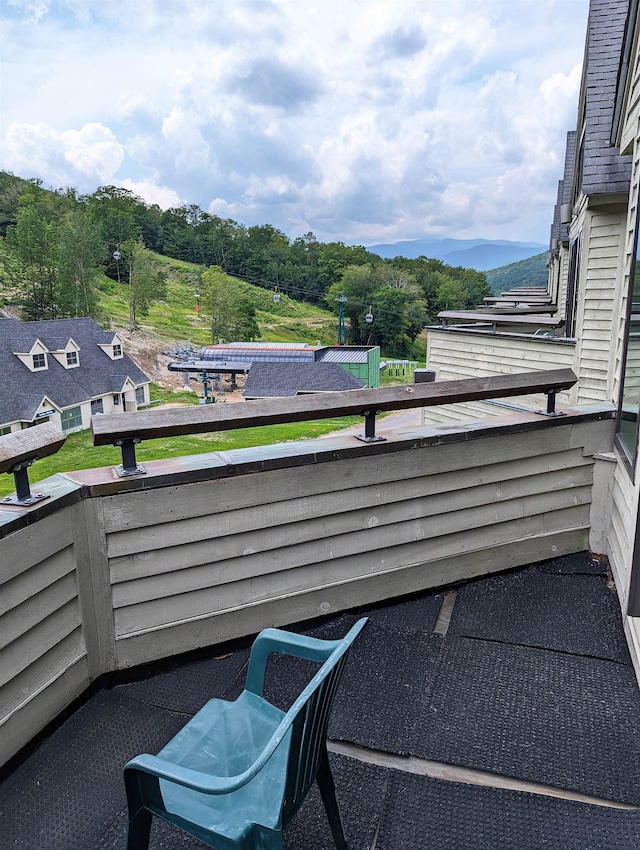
(363, 121)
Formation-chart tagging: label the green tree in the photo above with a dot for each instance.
(81, 252)
(396, 303)
(228, 306)
(35, 242)
(147, 283)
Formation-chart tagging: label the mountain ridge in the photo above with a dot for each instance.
(479, 254)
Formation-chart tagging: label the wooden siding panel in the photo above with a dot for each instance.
(251, 520)
(225, 625)
(42, 637)
(183, 582)
(34, 544)
(30, 582)
(19, 727)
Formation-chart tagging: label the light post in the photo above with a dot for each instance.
(342, 331)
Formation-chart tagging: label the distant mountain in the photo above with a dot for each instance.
(529, 272)
(479, 254)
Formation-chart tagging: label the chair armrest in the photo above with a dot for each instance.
(195, 779)
(289, 643)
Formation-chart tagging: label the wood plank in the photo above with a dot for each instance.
(28, 546)
(139, 509)
(272, 536)
(37, 676)
(33, 611)
(35, 579)
(211, 417)
(29, 444)
(41, 638)
(210, 629)
(219, 584)
(20, 727)
(94, 585)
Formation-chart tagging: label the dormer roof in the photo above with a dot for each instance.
(96, 373)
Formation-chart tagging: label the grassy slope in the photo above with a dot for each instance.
(176, 319)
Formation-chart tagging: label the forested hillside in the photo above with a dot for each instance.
(530, 272)
(61, 253)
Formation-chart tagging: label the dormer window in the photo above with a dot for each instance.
(39, 361)
(72, 359)
(117, 350)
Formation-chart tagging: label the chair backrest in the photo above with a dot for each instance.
(309, 716)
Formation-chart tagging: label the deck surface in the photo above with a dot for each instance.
(504, 714)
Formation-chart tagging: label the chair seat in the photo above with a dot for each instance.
(224, 739)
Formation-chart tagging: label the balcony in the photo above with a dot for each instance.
(492, 701)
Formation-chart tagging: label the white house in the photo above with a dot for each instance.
(64, 371)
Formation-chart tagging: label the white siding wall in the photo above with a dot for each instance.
(456, 354)
(600, 268)
(43, 663)
(623, 507)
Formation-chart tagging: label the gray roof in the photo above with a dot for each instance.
(267, 380)
(22, 391)
(604, 171)
(342, 354)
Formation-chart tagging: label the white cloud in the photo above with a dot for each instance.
(75, 157)
(358, 119)
(163, 196)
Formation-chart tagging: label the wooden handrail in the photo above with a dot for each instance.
(500, 318)
(19, 449)
(115, 428)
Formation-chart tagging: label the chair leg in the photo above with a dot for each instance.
(139, 830)
(328, 794)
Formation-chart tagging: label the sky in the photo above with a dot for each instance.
(362, 121)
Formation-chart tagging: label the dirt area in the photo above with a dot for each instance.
(149, 354)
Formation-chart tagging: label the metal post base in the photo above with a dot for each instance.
(374, 439)
(369, 435)
(125, 472)
(25, 502)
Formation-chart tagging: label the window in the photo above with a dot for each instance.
(6, 430)
(72, 358)
(140, 399)
(39, 361)
(572, 287)
(71, 418)
(117, 350)
(116, 398)
(97, 406)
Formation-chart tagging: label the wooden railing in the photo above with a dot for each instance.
(491, 319)
(126, 430)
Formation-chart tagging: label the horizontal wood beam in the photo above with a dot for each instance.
(500, 318)
(29, 444)
(154, 424)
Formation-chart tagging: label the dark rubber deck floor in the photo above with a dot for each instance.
(424, 813)
(532, 681)
(569, 613)
(548, 717)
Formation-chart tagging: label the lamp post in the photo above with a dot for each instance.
(342, 331)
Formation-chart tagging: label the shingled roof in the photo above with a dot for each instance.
(268, 380)
(22, 391)
(604, 170)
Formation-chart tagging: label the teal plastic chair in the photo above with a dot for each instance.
(237, 773)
